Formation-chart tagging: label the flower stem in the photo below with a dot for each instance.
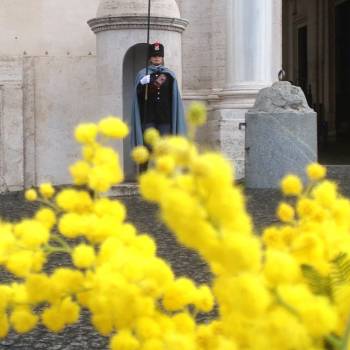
(62, 242)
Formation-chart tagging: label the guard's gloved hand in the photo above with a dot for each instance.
(145, 80)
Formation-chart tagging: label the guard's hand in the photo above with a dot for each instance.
(145, 80)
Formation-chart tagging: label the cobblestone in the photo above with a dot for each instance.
(261, 204)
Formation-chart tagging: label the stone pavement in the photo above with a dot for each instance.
(261, 204)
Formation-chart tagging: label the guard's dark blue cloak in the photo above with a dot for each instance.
(178, 125)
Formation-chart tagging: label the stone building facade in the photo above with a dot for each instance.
(47, 85)
(57, 70)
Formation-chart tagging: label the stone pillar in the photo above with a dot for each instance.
(11, 125)
(249, 44)
(253, 58)
(281, 136)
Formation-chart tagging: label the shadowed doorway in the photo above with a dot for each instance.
(134, 60)
(316, 56)
(342, 74)
(338, 145)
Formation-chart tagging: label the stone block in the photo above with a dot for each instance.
(225, 133)
(277, 144)
(281, 136)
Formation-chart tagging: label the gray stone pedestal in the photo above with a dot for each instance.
(281, 136)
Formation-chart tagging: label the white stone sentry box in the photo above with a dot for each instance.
(281, 136)
(121, 34)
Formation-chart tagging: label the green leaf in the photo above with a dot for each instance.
(319, 284)
(340, 272)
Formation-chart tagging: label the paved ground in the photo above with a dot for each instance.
(261, 204)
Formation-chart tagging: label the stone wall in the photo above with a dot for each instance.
(11, 124)
(65, 94)
(203, 47)
(47, 85)
(196, 44)
(51, 27)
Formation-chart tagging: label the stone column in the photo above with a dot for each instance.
(249, 44)
(253, 59)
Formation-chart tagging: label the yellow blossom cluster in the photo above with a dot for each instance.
(131, 293)
(288, 289)
(275, 291)
(99, 169)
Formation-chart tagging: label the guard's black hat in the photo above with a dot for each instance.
(156, 49)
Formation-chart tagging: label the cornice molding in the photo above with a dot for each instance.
(137, 22)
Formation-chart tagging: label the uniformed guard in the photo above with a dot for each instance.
(157, 101)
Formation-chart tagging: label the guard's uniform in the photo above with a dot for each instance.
(163, 108)
(155, 111)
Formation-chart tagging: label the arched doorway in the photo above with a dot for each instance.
(134, 60)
